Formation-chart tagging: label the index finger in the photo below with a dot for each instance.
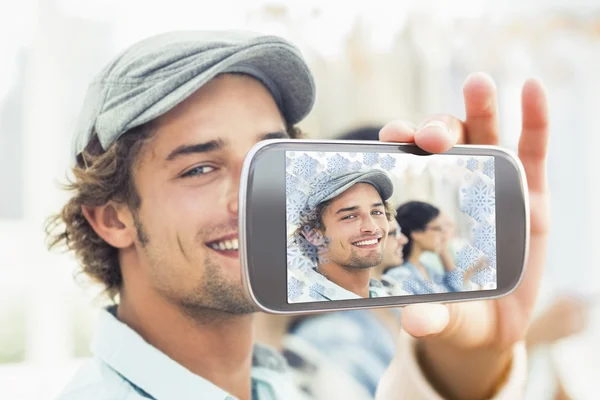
(533, 143)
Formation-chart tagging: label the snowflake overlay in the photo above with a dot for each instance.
(388, 162)
(473, 164)
(337, 164)
(485, 276)
(479, 200)
(295, 287)
(485, 237)
(467, 257)
(356, 166)
(316, 290)
(305, 166)
(370, 159)
(291, 183)
(488, 168)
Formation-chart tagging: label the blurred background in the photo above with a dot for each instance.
(374, 61)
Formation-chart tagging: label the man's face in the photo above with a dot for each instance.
(356, 227)
(188, 179)
(392, 255)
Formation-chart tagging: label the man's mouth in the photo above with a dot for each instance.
(228, 246)
(367, 243)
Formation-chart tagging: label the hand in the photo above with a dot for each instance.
(466, 347)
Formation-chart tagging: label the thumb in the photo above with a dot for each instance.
(469, 324)
(421, 320)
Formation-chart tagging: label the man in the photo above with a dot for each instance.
(348, 222)
(153, 218)
(392, 254)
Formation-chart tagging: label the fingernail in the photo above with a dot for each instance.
(405, 125)
(437, 124)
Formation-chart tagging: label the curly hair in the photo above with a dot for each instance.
(99, 177)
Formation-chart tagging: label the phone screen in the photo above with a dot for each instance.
(365, 225)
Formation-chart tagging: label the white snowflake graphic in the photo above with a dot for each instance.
(288, 162)
(305, 166)
(491, 255)
(337, 164)
(388, 162)
(473, 164)
(479, 200)
(295, 206)
(316, 290)
(297, 260)
(488, 168)
(370, 159)
(484, 237)
(356, 166)
(456, 279)
(319, 183)
(291, 183)
(295, 287)
(485, 276)
(467, 257)
(460, 162)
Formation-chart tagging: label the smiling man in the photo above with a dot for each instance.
(153, 218)
(349, 221)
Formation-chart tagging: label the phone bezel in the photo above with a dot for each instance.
(262, 214)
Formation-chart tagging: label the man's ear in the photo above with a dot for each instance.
(112, 222)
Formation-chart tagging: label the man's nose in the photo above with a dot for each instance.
(368, 225)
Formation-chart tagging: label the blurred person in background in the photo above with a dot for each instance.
(422, 224)
(153, 218)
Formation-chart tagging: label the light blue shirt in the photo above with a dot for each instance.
(126, 367)
(355, 341)
(410, 279)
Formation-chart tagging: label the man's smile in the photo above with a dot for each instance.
(226, 245)
(368, 243)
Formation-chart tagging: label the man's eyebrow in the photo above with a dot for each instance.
(346, 209)
(275, 135)
(354, 208)
(185, 149)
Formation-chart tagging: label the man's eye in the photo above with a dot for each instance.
(378, 212)
(348, 217)
(199, 170)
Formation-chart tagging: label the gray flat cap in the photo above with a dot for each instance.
(331, 186)
(153, 76)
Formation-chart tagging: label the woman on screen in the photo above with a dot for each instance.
(422, 224)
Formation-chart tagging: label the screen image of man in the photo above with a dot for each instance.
(349, 223)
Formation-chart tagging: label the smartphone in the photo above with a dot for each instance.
(333, 225)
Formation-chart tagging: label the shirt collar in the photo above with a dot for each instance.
(332, 291)
(143, 365)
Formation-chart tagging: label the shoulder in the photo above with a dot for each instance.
(400, 272)
(95, 381)
(334, 329)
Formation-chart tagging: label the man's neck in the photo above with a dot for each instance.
(218, 348)
(355, 280)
